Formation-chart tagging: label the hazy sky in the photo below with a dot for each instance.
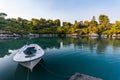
(65, 10)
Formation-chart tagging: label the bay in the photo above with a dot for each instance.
(63, 57)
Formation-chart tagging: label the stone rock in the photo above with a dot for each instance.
(78, 76)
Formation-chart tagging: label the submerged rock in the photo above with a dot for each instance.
(78, 76)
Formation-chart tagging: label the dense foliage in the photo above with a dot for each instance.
(43, 26)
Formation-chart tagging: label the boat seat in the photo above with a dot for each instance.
(28, 56)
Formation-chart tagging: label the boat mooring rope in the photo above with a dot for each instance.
(54, 73)
(28, 75)
(49, 71)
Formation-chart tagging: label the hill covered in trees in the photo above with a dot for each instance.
(43, 26)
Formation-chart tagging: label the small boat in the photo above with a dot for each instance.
(29, 55)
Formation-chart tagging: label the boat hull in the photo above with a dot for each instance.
(30, 64)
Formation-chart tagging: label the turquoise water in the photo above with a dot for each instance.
(64, 57)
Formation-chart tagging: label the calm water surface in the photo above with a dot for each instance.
(64, 57)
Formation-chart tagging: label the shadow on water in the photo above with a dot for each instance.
(39, 72)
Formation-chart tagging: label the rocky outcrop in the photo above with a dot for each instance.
(93, 35)
(78, 76)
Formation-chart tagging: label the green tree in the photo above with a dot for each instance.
(103, 23)
(115, 29)
(35, 22)
(57, 22)
(103, 19)
(67, 24)
(93, 26)
(86, 23)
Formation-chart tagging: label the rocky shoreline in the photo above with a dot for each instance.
(56, 35)
(78, 76)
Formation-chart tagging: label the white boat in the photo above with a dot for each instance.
(29, 55)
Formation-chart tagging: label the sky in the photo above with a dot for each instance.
(65, 10)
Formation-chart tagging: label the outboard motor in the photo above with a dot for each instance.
(27, 43)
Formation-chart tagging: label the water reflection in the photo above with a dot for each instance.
(97, 44)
